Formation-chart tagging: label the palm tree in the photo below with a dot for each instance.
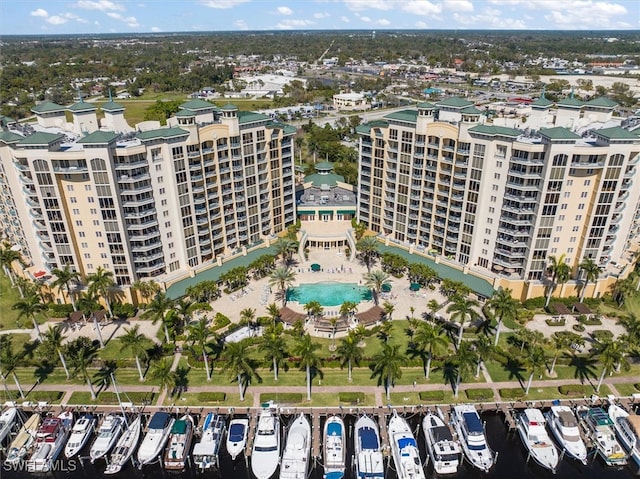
(387, 365)
(82, 352)
(433, 306)
(623, 289)
(136, 341)
(504, 307)
(7, 258)
(612, 355)
(431, 340)
(101, 282)
(30, 306)
(349, 352)
(305, 348)
(561, 342)
(285, 248)
(274, 346)
(282, 278)
(368, 251)
(147, 289)
(484, 349)
(162, 374)
(461, 309)
(348, 308)
(9, 360)
(534, 362)
(375, 281)
(236, 362)
(184, 309)
(52, 340)
(560, 273)
(157, 310)
(591, 273)
(388, 308)
(465, 360)
(64, 277)
(314, 309)
(248, 316)
(199, 333)
(274, 313)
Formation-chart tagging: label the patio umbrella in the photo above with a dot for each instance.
(386, 287)
(315, 267)
(414, 286)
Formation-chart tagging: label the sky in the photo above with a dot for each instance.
(19, 17)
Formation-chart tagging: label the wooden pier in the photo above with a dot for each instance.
(251, 434)
(316, 433)
(381, 414)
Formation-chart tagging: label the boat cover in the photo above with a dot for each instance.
(179, 427)
(406, 442)
(159, 420)
(441, 433)
(474, 426)
(334, 429)
(368, 438)
(236, 432)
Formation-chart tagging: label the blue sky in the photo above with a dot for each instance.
(131, 16)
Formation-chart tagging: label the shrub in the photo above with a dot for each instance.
(432, 396)
(512, 393)
(578, 327)
(220, 321)
(555, 322)
(123, 310)
(48, 396)
(535, 303)
(637, 386)
(601, 335)
(592, 321)
(572, 390)
(59, 310)
(351, 398)
(211, 396)
(480, 394)
(281, 398)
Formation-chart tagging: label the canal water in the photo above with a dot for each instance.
(511, 463)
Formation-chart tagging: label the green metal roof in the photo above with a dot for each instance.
(48, 107)
(425, 105)
(365, 128)
(479, 285)
(404, 115)
(98, 137)
(602, 102)
(559, 133)
(330, 179)
(324, 165)
(197, 104)
(471, 110)
(41, 138)
(161, 133)
(177, 290)
(81, 106)
(8, 137)
(616, 133)
(112, 106)
(492, 130)
(185, 113)
(251, 116)
(542, 102)
(454, 102)
(570, 103)
(229, 107)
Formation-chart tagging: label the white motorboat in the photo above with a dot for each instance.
(180, 437)
(627, 427)
(205, 452)
(265, 454)
(158, 431)
(334, 450)
(23, 441)
(599, 427)
(531, 427)
(237, 437)
(109, 431)
(471, 435)
(369, 462)
(7, 420)
(295, 458)
(125, 447)
(563, 424)
(443, 450)
(404, 449)
(80, 434)
(50, 440)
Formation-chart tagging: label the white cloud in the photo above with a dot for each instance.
(222, 4)
(284, 11)
(241, 25)
(421, 7)
(40, 12)
(383, 22)
(421, 24)
(320, 15)
(56, 20)
(156, 29)
(458, 5)
(102, 5)
(345, 19)
(490, 18)
(130, 21)
(290, 24)
(365, 19)
(359, 5)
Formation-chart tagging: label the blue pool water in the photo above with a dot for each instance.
(329, 293)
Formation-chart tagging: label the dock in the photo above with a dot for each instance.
(251, 434)
(381, 415)
(316, 434)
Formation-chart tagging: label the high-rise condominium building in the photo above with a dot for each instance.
(155, 202)
(499, 199)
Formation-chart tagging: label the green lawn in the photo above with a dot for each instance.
(8, 297)
(626, 389)
(108, 397)
(190, 399)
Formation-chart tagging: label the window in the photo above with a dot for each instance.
(495, 187)
(170, 245)
(561, 217)
(558, 228)
(158, 167)
(69, 187)
(160, 178)
(87, 256)
(496, 176)
(490, 220)
(169, 234)
(165, 213)
(499, 165)
(93, 211)
(103, 255)
(578, 217)
(76, 211)
(87, 187)
(163, 202)
(167, 224)
(556, 240)
(96, 223)
(584, 194)
(89, 266)
(73, 199)
(100, 245)
(485, 241)
(98, 234)
(91, 199)
(78, 222)
(84, 245)
(567, 194)
(563, 206)
(487, 231)
(493, 199)
(581, 206)
(572, 239)
(484, 252)
(587, 182)
(569, 182)
(554, 250)
(492, 209)
(162, 191)
(81, 234)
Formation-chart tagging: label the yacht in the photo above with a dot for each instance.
(443, 450)
(369, 462)
(50, 440)
(158, 431)
(7, 420)
(531, 427)
(470, 430)
(627, 427)
(80, 434)
(180, 437)
(404, 449)
(237, 437)
(600, 429)
(125, 447)
(334, 450)
(564, 426)
(23, 441)
(205, 452)
(266, 445)
(295, 458)
(109, 431)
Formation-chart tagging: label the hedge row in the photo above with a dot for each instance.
(211, 396)
(279, 398)
(433, 396)
(511, 393)
(572, 390)
(480, 394)
(351, 398)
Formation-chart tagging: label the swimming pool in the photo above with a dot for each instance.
(329, 293)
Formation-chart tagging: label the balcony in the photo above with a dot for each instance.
(139, 214)
(145, 224)
(133, 178)
(144, 236)
(134, 202)
(71, 169)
